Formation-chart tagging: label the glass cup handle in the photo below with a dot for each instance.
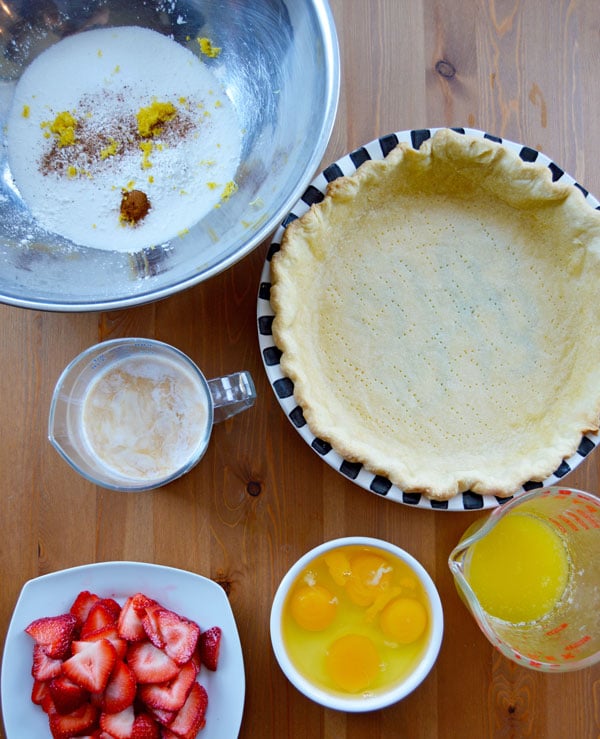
(231, 394)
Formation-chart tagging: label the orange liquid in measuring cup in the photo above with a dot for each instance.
(519, 570)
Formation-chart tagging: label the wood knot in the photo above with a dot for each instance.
(253, 488)
(445, 69)
(512, 709)
(222, 580)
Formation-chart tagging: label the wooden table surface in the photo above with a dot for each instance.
(260, 498)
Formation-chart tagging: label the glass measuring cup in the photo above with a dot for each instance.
(567, 636)
(134, 414)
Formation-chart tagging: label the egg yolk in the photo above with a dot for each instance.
(403, 620)
(369, 576)
(352, 662)
(313, 607)
(338, 565)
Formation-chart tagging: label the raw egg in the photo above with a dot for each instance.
(370, 575)
(313, 607)
(404, 620)
(352, 662)
(356, 620)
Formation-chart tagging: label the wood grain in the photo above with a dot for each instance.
(260, 498)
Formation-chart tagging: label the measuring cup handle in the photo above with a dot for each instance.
(231, 394)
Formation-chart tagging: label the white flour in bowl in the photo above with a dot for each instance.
(109, 111)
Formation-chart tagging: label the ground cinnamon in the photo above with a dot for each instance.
(134, 206)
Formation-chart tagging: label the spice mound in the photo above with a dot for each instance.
(134, 206)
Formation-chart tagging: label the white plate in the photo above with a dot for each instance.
(193, 596)
(284, 387)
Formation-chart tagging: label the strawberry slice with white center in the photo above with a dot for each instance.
(100, 616)
(172, 695)
(151, 624)
(53, 633)
(130, 625)
(191, 717)
(171, 632)
(120, 689)
(149, 664)
(73, 724)
(91, 664)
(111, 633)
(44, 667)
(82, 605)
(163, 717)
(118, 725)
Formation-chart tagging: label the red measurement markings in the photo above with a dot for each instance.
(584, 640)
(558, 525)
(557, 629)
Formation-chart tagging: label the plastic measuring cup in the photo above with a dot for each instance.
(135, 414)
(567, 637)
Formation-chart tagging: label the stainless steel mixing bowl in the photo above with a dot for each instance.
(280, 67)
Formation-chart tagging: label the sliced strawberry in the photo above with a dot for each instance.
(67, 695)
(210, 647)
(91, 664)
(172, 695)
(178, 635)
(149, 664)
(192, 716)
(39, 691)
(111, 605)
(163, 717)
(44, 667)
(73, 724)
(118, 725)
(141, 602)
(48, 704)
(130, 625)
(195, 658)
(145, 727)
(99, 617)
(111, 633)
(53, 633)
(82, 605)
(151, 624)
(120, 689)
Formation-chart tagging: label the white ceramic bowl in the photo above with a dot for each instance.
(191, 595)
(358, 703)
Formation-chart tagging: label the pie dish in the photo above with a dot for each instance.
(436, 315)
(192, 595)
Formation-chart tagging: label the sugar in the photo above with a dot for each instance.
(102, 78)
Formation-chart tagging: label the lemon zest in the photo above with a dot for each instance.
(151, 118)
(208, 49)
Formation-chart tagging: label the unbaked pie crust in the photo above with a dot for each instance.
(438, 314)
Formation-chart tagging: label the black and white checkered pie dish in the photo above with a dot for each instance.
(284, 387)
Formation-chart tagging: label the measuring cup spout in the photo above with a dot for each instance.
(456, 563)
